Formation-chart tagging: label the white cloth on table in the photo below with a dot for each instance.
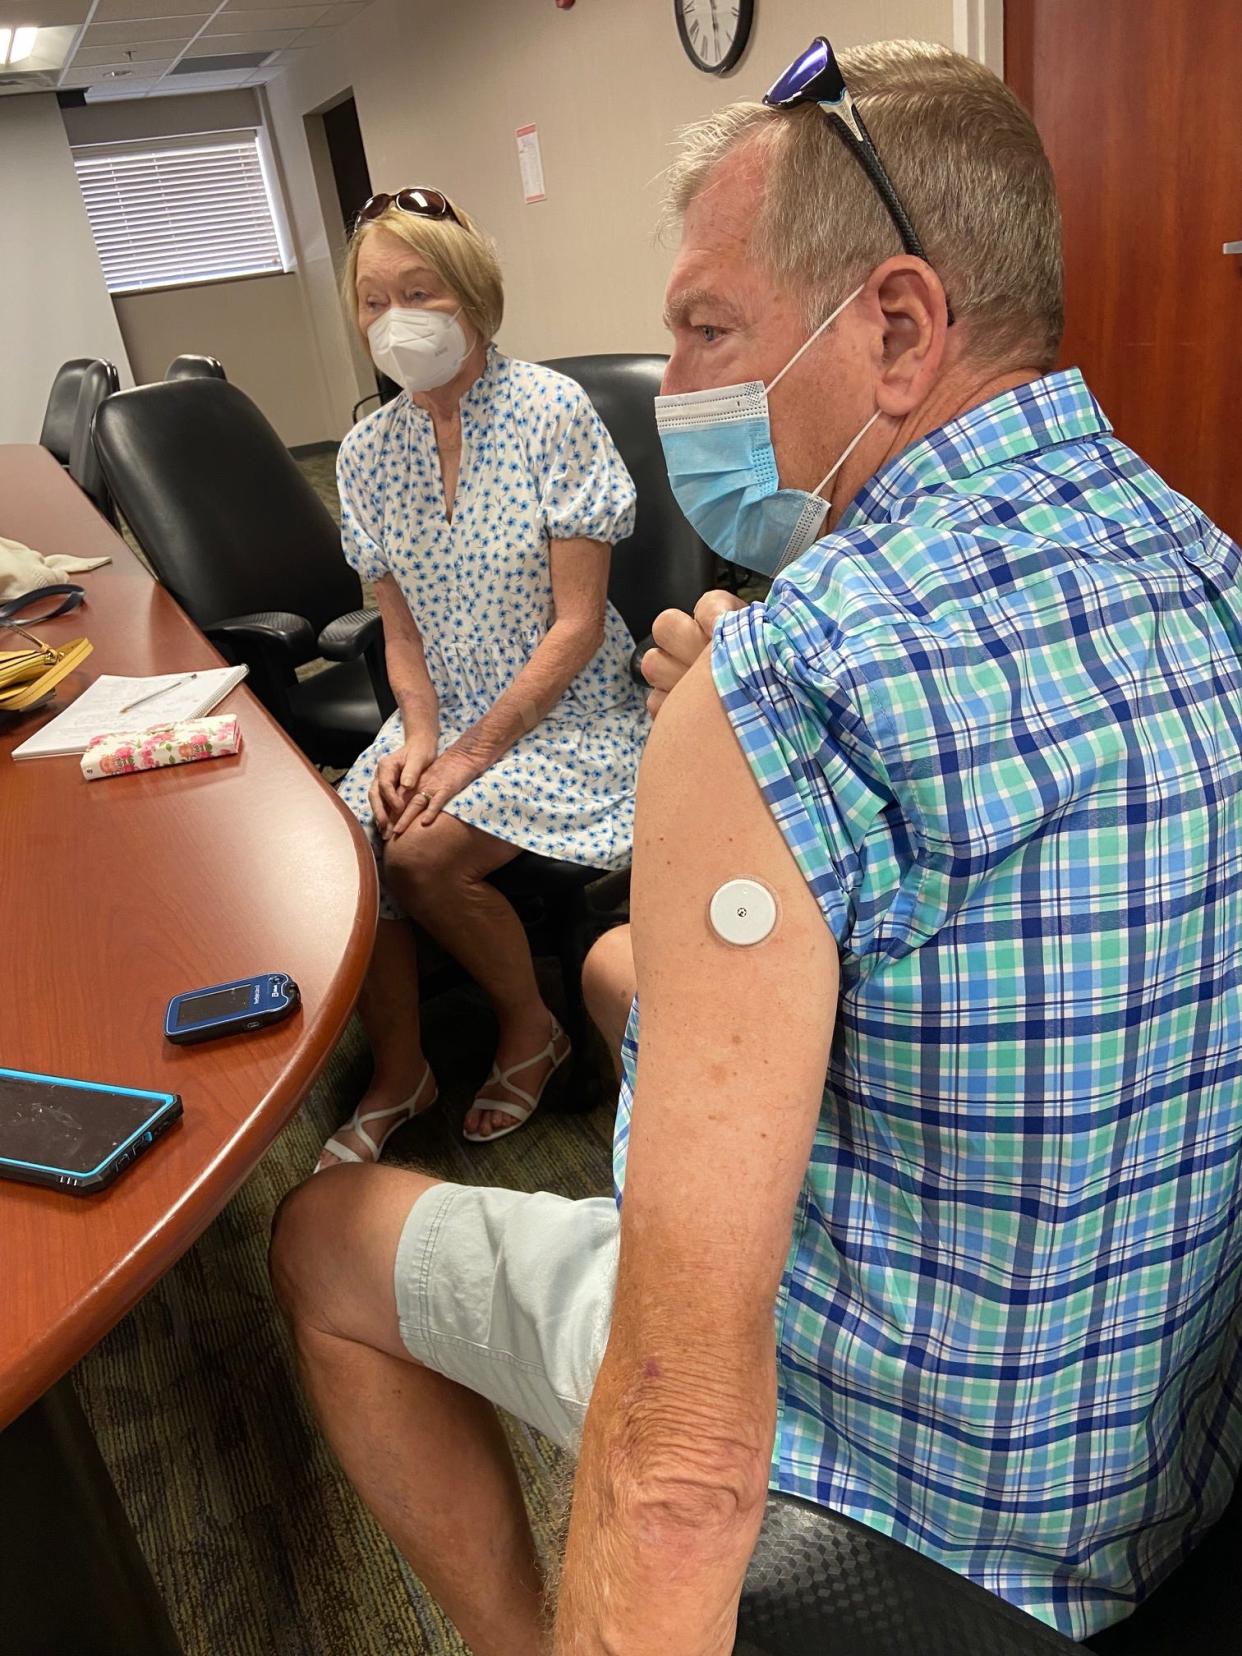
(536, 465)
(24, 570)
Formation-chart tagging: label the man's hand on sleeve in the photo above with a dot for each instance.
(680, 640)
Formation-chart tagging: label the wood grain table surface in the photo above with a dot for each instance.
(116, 895)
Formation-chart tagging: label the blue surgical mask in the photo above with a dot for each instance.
(722, 468)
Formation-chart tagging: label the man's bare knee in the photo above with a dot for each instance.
(334, 1250)
(302, 1242)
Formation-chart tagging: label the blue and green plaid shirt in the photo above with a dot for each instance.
(997, 716)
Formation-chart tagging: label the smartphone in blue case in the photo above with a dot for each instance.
(76, 1135)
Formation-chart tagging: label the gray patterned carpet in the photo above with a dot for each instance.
(320, 469)
(258, 1544)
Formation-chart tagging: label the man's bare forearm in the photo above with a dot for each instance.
(668, 1501)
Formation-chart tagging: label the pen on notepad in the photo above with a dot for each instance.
(151, 694)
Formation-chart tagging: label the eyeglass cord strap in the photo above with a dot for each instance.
(864, 152)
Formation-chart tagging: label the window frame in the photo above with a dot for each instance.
(153, 278)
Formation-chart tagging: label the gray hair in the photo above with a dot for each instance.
(965, 159)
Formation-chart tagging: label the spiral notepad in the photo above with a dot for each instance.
(101, 708)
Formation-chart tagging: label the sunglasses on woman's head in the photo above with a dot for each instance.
(432, 204)
(815, 77)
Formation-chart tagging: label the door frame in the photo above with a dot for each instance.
(979, 32)
(334, 231)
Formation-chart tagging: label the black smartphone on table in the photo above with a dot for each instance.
(76, 1136)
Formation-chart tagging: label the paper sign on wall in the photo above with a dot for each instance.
(531, 163)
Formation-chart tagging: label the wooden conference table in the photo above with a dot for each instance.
(114, 896)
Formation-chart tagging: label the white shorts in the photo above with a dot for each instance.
(511, 1295)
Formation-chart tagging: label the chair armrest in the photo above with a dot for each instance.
(361, 633)
(289, 634)
(272, 643)
(352, 635)
(636, 661)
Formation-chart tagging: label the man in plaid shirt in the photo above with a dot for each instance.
(981, 745)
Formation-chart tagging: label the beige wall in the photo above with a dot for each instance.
(53, 301)
(441, 88)
(257, 328)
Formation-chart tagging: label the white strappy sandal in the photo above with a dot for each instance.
(401, 1113)
(520, 1113)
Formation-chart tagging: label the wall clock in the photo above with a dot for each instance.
(714, 32)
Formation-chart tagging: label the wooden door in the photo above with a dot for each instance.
(1137, 105)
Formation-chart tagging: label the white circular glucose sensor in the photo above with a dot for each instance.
(742, 911)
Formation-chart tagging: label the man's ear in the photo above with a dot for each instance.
(911, 300)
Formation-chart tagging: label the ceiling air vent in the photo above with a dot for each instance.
(211, 65)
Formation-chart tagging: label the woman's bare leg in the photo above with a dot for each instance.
(388, 1007)
(439, 875)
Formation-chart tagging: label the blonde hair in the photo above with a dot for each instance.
(964, 158)
(462, 255)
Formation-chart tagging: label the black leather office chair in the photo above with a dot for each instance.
(819, 1583)
(662, 565)
(99, 380)
(62, 407)
(237, 534)
(195, 367)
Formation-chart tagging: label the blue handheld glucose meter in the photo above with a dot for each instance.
(230, 1008)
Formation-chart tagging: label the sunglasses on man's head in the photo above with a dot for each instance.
(432, 204)
(815, 78)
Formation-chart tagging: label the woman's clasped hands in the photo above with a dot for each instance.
(413, 785)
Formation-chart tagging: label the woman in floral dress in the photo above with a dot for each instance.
(483, 502)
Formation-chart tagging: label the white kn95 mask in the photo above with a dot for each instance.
(420, 349)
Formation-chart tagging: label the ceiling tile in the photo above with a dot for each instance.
(260, 41)
(44, 14)
(112, 11)
(148, 51)
(268, 5)
(108, 74)
(147, 28)
(284, 17)
(343, 11)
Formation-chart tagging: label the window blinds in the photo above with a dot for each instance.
(175, 212)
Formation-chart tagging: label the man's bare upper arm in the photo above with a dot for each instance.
(734, 1039)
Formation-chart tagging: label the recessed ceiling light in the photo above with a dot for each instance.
(16, 45)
